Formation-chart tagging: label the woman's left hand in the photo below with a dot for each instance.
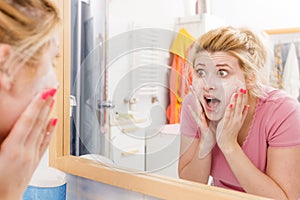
(23, 148)
(234, 117)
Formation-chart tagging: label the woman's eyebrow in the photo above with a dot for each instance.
(223, 65)
(200, 64)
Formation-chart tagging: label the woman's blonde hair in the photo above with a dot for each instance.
(28, 27)
(241, 43)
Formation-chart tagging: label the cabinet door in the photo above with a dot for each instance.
(128, 149)
(163, 151)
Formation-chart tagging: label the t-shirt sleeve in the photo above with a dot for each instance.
(188, 125)
(284, 127)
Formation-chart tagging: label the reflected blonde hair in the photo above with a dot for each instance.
(242, 44)
(28, 27)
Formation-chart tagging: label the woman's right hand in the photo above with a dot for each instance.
(23, 148)
(207, 128)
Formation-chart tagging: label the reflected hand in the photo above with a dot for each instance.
(25, 145)
(228, 128)
(207, 128)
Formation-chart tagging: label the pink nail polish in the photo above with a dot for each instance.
(230, 106)
(242, 90)
(236, 95)
(52, 92)
(45, 95)
(54, 122)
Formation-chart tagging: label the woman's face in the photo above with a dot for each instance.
(26, 83)
(216, 76)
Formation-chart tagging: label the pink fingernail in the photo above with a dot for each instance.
(50, 92)
(236, 95)
(230, 106)
(45, 95)
(54, 122)
(242, 90)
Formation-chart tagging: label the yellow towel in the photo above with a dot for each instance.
(181, 43)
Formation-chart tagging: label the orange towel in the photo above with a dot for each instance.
(179, 82)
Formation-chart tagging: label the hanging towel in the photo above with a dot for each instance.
(178, 80)
(276, 76)
(181, 43)
(291, 73)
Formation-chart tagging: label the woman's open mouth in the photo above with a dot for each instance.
(212, 103)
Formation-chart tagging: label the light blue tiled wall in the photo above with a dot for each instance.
(79, 188)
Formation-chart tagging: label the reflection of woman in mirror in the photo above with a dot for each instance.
(243, 134)
(28, 46)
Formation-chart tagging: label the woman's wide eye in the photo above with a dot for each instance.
(222, 73)
(201, 73)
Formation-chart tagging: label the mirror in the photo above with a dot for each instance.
(125, 91)
(126, 87)
(114, 127)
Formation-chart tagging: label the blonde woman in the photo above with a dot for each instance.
(28, 46)
(242, 133)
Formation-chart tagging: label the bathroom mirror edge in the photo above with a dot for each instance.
(59, 141)
(152, 184)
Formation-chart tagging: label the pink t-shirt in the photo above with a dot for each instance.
(275, 124)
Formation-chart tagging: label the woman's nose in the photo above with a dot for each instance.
(209, 87)
(210, 84)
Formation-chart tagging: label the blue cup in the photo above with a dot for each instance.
(46, 184)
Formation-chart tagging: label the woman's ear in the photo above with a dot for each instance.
(5, 79)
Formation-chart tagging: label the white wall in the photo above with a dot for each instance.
(258, 14)
(154, 13)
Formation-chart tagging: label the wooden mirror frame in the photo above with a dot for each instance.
(146, 183)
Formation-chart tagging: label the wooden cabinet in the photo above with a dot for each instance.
(127, 151)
